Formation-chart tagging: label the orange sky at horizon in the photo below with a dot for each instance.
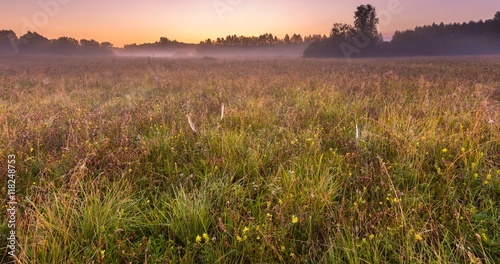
(191, 21)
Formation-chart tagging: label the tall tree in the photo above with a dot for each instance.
(365, 20)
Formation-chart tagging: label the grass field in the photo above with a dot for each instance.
(252, 161)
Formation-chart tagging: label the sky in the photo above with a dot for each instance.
(191, 21)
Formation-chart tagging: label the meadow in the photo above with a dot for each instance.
(157, 160)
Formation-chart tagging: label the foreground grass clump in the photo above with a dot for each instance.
(315, 161)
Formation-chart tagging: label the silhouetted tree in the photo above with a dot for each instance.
(348, 41)
(342, 30)
(286, 39)
(8, 42)
(365, 20)
(296, 38)
(312, 38)
(89, 44)
(33, 43)
(107, 45)
(497, 17)
(65, 46)
(92, 47)
(164, 40)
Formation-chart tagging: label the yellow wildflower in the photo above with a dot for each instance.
(295, 219)
(488, 177)
(418, 237)
(198, 238)
(484, 237)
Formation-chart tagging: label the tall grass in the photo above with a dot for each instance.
(243, 161)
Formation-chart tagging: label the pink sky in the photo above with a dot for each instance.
(126, 21)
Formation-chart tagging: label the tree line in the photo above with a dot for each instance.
(164, 42)
(266, 39)
(33, 43)
(363, 40)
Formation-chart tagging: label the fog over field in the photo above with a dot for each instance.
(222, 52)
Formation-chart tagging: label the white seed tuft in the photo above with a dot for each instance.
(191, 124)
(222, 112)
(357, 132)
